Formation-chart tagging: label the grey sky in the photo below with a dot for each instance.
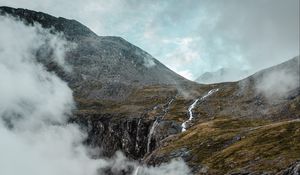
(191, 36)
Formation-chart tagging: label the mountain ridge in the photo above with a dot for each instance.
(221, 75)
(105, 58)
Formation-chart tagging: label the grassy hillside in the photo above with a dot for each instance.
(234, 145)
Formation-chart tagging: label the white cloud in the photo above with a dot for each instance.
(277, 83)
(186, 74)
(184, 54)
(34, 109)
(251, 34)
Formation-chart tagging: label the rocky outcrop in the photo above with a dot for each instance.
(127, 134)
(294, 169)
(115, 133)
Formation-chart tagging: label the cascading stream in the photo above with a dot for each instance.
(190, 109)
(190, 114)
(156, 122)
(137, 134)
(136, 171)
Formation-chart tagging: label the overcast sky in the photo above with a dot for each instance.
(192, 36)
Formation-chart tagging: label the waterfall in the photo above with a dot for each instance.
(136, 171)
(168, 106)
(190, 114)
(190, 109)
(137, 135)
(156, 123)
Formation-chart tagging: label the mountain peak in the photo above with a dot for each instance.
(70, 28)
(103, 66)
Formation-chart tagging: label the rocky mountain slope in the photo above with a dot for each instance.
(129, 101)
(117, 64)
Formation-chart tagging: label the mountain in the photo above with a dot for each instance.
(97, 60)
(221, 75)
(127, 100)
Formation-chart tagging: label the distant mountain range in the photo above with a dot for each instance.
(222, 75)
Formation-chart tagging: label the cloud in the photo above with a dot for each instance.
(278, 83)
(34, 109)
(183, 56)
(172, 168)
(148, 60)
(119, 163)
(186, 73)
(244, 35)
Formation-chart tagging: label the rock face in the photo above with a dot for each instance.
(294, 169)
(128, 135)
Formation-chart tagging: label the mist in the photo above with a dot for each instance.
(280, 81)
(194, 36)
(35, 106)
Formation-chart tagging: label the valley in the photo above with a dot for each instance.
(128, 101)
